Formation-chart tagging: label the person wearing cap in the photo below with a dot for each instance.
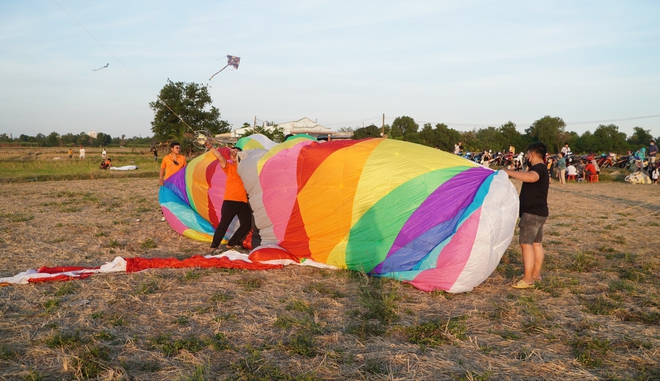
(235, 203)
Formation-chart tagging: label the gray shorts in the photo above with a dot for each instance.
(531, 229)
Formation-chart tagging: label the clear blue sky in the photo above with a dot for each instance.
(343, 63)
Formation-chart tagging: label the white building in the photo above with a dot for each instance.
(301, 126)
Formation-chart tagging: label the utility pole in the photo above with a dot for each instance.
(383, 125)
(254, 124)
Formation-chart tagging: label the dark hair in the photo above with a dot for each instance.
(174, 144)
(538, 148)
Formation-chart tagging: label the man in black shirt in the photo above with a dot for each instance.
(533, 212)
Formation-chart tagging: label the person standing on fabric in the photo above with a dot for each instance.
(172, 163)
(82, 152)
(653, 152)
(235, 203)
(561, 168)
(533, 213)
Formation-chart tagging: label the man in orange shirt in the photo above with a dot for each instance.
(172, 163)
(235, 203)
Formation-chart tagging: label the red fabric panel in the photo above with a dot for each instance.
(270, 253)
(139, 264)
(63, 269)
(58, 278)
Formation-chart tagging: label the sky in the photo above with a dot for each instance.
(467, 63)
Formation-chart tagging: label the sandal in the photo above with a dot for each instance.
(522, 285)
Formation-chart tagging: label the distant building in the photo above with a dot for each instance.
(301, 126)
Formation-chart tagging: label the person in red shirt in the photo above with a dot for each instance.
(590, 169)
(235, 203)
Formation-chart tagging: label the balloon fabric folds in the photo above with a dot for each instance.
(386, 207)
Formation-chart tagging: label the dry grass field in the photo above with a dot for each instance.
(594, 316)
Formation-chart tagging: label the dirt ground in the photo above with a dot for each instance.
(594, 316)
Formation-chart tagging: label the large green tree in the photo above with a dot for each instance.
(371, 131)
(403, 126)
(607, 138)
(190, 102)
(640, 138)
(549, 130)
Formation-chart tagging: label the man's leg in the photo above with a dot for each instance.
(227, 213)
(539, 254)
(245, 223)
(529, 262)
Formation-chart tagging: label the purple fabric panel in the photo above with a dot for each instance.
(177, 184)
(441, 205)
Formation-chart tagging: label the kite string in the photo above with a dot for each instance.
(125, 67)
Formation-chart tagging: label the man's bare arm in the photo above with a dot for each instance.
(527, 177)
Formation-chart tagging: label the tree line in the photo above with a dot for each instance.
(183, 109)
(75, 140)
(550, 130)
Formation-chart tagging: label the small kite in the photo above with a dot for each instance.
(231, 61)
(102, 67)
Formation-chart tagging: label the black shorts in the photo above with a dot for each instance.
(531, 228)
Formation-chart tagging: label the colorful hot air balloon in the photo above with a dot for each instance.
(386, 207)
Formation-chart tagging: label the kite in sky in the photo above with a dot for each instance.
(231, 61)
(102, 67)
(386, 207)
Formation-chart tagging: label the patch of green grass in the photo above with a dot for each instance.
(374, 366)
(105, 336)
(52, 304)
(7, 353)
(67, 288)
(590, 351)
(255, 367)
(191, 275)
(654, 223)
(554, 233)
(582, 262)
(366, 329)
(222, 296)
(379, 297)
(250, 283)
(148, 244)
(601, 305)
(300, 306)
(475, 376)
(16, 217)
(171, 347)
(97, 315)
(302, 343)
(508, 334)
(91, 362)
(64, 339)
(436, 332)
(555, 285)
(181, 320)
(641, 316)
(621, 286)
(148, 287)
(632, 274)
(324, 289)
(619, 239)
(219, 342)
(230, 317)
(118, 321)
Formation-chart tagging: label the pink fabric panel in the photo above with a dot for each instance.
(452, 259)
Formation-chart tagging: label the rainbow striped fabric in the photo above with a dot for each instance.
(386, 207)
